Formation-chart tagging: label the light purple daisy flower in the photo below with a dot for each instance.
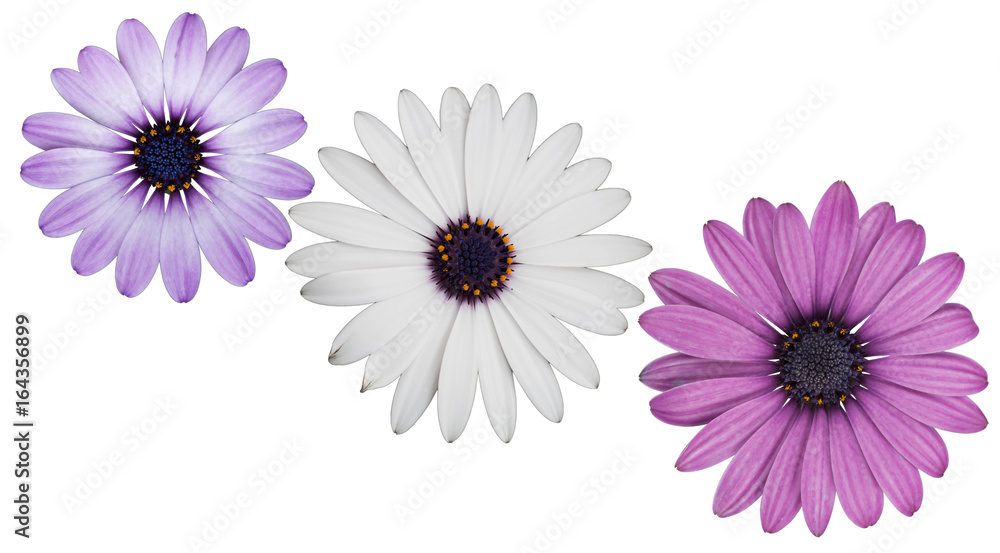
(826, 373)
(201, 161)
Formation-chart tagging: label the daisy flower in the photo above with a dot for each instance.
(826, 373)
(150, 182)
(473, 254)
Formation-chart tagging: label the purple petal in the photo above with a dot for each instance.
(140, 56)
(918, 443)
(699, 402)
(758, 226)
(140, 251)
(224, 59)
(111, 83)
(721, 438)
(84, 204)
(952, 413)
(782, 497)
(49, 131)
(946, 374)
(873, 224)
(678, 369)
(180, 260)
(267, 175)
(899, 480)
(250, 214)
(794, 250)
(948, 327)
(743, 481)
(77, 93)
(857, 488)
(744, 271)
(183, 61)
(696, 290)
(66, 167)
(98, 244)
(260, 133)
(702, 333)
(918, 294)
(247, 92)
(895, 254)
(818, 489)
(226, 251)
(834, 231)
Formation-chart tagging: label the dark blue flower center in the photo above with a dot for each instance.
(471, 259)
(820, 363)
(168, 156)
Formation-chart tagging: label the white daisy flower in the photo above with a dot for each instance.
(473, 254)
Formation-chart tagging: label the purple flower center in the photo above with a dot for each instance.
(820, 363)
(168, 156)
(471, 259)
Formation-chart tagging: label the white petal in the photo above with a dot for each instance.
(577, 307)
(356, 226)
(592, 250)
(515, 145)
(417, 339)
(482, 147)
(419, 382)
(361, 286)
(496, 381)
(554, 341)
(575, 217)
(576, 180)
(328, 257)
(544, 165)
(457, 382)
(363, 181)
(438, 152)
(394, 162)
(378, 323)
(601, 284)
(530, 368)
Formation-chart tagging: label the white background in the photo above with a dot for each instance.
(673, 130)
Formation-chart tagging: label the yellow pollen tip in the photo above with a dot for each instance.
(187, 185)
(830, 324)
(172, 187)
(180, 130)
(510, 260)
(795, 335)
(493, 283)
(440, 248)
(510, 248)
(167, 127)
(159, 185)
(479, 221)
(788, 344)
(499, 230)
(136, 151)
(509, 270)
(815, 324)
(843, 332)
(819, 401)
(448, 237)
(465, 226)
(788, 386)
(445, 257)
(842, 397)
(152, 132)
(805, 398)
(465, 287)
(193, 139)
(475, 292)
(490, 224)
(142, 139)
(503, 277)
(197, 157)
(505, 239)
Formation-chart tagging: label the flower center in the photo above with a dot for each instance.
(820, 363)
(167, 156)
(471, 259)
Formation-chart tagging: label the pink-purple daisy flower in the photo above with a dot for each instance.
(172, 157)
(826, 374)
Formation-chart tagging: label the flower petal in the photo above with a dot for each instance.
(603, 285)
(249, 214)
(793, 249)
(482, 147)
(77, 93)
(180, 260)
(267, 175)
(918, 294)
(183, 61)
(244, 94)
(260, 133)
(579, 308)
(873, 224)
(356, 226)
(591, 250)
(458, 377)
(782, 494)
(99, 243)
(952, 413)
(577, 216)
(721, 438)
(140, 251)
(530, 368)
(943, 373)
(758, 227)
(540, 170)
(496, 380)
(699, 402)
(834, 230)
(419, 382)
(111, 83)
(818, 489)
(225, 249)
(66, 167)
(744, 271)
(574, 181)
(678, 369)
(417, 339)
(702, 333)
(49, 131)
(898, 479)
(859, 493)
(362, 286)
(515, 143)
(140, 56)
(743, 481)
(224, 59)
(948, 327)
(895, 254)
(328, 257)
(917, 442)
(84, 204)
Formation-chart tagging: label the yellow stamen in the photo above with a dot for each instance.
(465, 287)
(142, 139)
(136, 151)
(479, 221)
(445, 257)
(440, 248)
(152, 132)
(475, 292)
(503, 277)
(193, 139)
(499, 230)
(795, 336)
(788, 345)
(788, 386)
(509, 270)
(805, 398)
(187, 185)
(489, 225)
(159, 185)
(465, 226)
(197, 157)
(843, 397)
(815, 324)
(448, 237)
(510, 248)
(172, 187)
(493, 283)
(180, 130)
(505, 239)
(819, 401)
(510, 260)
